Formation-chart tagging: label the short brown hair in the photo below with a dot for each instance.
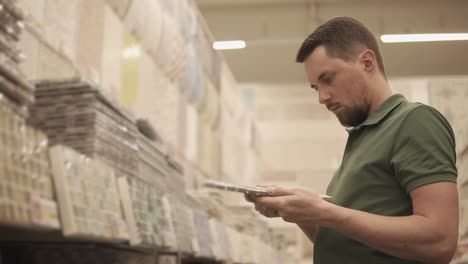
(341, 36)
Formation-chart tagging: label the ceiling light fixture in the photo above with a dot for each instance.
(227, 45)
(396, 38)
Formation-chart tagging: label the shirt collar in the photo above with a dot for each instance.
(384, 109)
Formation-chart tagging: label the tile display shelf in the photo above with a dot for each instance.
(76, 113)
(59, 253)
(88, 197)
(26, 189)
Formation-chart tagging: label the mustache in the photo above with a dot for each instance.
(331, 106)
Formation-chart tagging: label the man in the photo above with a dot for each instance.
(394, 196)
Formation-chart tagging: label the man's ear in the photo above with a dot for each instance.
(368, 61)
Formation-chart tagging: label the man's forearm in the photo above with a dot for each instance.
(409, 237)
(309, 230)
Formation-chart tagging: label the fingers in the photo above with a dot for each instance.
(270, 212)
(279, 191)
(267, 211)
(249, 198)
(265, 185)
(269, 201)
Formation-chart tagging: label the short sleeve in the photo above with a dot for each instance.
(424, 150)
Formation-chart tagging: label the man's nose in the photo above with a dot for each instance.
(324, 96)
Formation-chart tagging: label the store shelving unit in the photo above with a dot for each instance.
(79, 182)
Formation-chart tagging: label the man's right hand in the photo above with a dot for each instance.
(265, 211)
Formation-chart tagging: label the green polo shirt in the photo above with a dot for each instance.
(400, 147)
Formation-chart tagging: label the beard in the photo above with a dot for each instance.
(353, 117)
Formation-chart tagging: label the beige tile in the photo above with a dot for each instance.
(90, 38)
(112, 54)
(61, 23)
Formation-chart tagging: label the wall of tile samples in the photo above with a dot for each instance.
(87, 194)
(95, 65)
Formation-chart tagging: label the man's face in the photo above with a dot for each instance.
(342, 86)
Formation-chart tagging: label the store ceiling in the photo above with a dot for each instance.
(274, 29)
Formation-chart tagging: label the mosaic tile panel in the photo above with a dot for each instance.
(145, 211)
(87, 195)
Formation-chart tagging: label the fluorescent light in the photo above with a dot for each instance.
(423, 37)
(131, 52)
(231, 44)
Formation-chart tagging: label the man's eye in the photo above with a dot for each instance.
(329, 79)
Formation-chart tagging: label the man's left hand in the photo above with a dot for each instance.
(294, 205)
